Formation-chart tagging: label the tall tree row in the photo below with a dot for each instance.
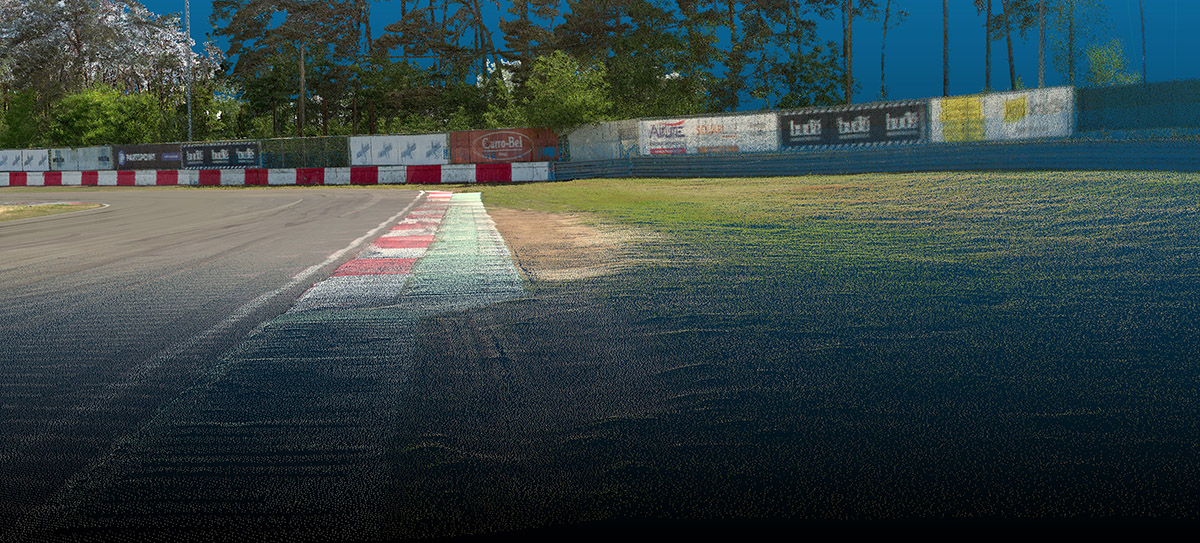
(316, 67)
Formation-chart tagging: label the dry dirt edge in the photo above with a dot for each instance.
(567, 246)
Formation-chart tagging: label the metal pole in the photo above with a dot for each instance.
(187, 10)
(1142, 15)
(1041, 43)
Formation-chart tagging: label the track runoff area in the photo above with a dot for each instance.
(906, 350)
(137, 356)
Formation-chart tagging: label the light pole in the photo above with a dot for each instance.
(187, 11)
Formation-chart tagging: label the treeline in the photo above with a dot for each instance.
(108, 71)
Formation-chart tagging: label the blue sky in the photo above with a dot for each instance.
(914, 56)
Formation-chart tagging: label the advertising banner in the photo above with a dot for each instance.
(421, 149)
(1035, 113)
(604, 141)
(360, 150)
(10, 161)
(222, 155)
(957, 119)
(399, 150)
(147, 157)
(507, 145)
(81, 160)
(35, 160)
(1039, 113)
(898, 122)
(728, 134)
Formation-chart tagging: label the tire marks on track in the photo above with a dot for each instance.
(288, 434)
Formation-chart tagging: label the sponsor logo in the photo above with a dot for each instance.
(171, 157)
(503, 145)
(667, 130)
(709, 129)
(435, 150)
(668, 150)
(140, 157)
(1047, 104)
(908, 121)
(409, 150)
(245, 154)
(859, 127)
(121, 158)
(718, 149)
(3, 160)
(220, 156)
(511, 142)
(386, 151)
(807, 130)
(195, 156)
(364, 151)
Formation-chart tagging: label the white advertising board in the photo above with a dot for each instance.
(360, 150)
(10, 161)
(81, 160)
(727, 134)
(604, 141)
(35, 160)
(422, 149)
(1035, 113)
(399, 150)
(1038, 113)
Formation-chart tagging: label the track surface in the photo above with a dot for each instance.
(104, 313)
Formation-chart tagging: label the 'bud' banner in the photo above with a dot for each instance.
(896, 122)
(225, 155)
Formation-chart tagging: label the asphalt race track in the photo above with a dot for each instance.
(106, 315)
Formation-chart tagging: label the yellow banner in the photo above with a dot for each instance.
(1016, 109)
(962, 119)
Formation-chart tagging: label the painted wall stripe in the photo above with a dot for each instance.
(364, 175)
(424, 174)
(310, 176)
(167, 177)
(209, 178)
(500, 172)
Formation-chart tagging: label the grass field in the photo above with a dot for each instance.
(930, 347)
(10, 212)
(933, 346)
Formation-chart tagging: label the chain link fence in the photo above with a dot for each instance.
(322, 152)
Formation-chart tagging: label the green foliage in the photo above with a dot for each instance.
(806, 79)
(564, 95)
(104, 116)
(90, 117)
(26, 125)
(1106, 65)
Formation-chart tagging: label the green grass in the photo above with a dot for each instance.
(16, 212)
(979, 345)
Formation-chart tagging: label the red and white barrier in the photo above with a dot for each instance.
(357, 175)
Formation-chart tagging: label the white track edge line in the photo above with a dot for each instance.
(253, 305)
